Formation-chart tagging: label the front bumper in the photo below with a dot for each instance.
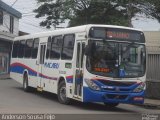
(112, 97)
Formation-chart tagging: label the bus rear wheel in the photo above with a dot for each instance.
(111, 105)
(26, 88)
(62, 97)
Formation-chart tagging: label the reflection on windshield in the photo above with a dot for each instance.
(114, 59)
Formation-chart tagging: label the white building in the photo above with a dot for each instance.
(9, 28)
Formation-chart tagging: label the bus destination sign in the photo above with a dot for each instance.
(117, 34)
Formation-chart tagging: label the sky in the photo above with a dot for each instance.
(30, 24)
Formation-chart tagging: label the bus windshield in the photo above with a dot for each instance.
(115, 59)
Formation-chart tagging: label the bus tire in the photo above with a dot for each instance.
(111, 105)
(26, 88)
(62, 93)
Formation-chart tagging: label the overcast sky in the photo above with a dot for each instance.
(30, 24)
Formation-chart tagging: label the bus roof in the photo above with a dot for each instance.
(70, 30)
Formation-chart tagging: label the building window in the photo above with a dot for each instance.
(1, 17)
(15, 49)
(11, 24)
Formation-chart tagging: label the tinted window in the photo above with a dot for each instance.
(48, 47)
(68, 46)
(35, 48)
(21, 49)
(11, 24)
(42, 53)
(78, 55)
(1, 17)
(28, 48)
(83, 50)
(15, 49)
(56, 46)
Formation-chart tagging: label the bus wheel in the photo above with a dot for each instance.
(26, 88)
(62, 93)
(111, 105)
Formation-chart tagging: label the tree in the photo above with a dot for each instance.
(79, 12)
(100, 13)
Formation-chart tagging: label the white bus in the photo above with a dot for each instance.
(90, 63)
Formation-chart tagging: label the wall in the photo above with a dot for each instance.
(153, 64)
(6, 24)
(6, 39)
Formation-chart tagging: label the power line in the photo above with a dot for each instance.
(34, 25)
(14, 3)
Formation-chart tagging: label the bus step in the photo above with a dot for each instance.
(40, 89)
(77, 97)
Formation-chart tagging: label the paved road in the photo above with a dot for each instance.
(14, 100)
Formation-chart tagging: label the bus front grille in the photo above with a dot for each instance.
(117, 83)
(116, 96)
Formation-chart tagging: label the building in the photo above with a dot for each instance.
(9, 28)
(153, 64)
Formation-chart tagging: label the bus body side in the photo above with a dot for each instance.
(51, 72)
(46, 73)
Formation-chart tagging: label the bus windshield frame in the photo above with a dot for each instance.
(127, 55)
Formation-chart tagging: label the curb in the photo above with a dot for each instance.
(149, 106)
(5, 78)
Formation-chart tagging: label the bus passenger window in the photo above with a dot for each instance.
(28, 48)
(78, 55)
(48, 48)
(68, 47)
(15, 49)
(35, 48)
(21, 49)
(83, 49)
(56, 46)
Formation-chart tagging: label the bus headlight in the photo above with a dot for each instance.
(140, 88)
(92, 85)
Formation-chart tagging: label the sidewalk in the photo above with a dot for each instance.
(4, 76)
(150, 103)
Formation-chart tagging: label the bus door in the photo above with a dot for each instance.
(79, 69)
(41, 65)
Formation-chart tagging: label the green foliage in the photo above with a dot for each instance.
(79, 12)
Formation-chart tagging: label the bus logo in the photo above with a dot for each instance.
(51, 65)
